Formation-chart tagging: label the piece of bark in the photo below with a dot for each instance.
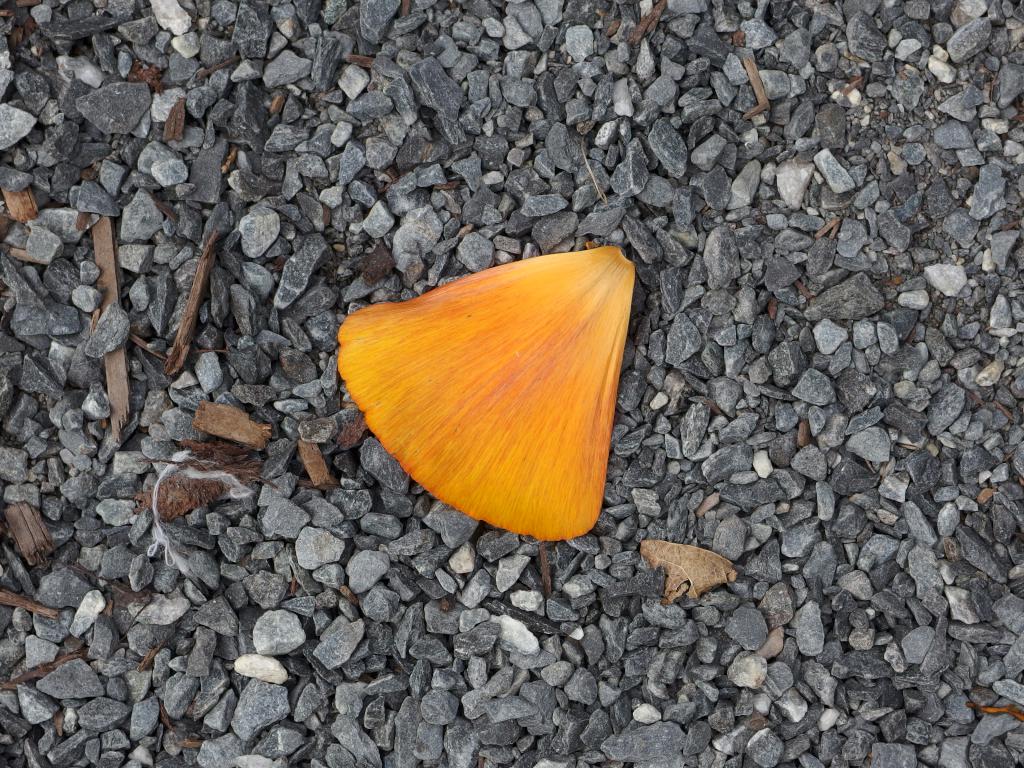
(647, 23)
(115, 363)
(21, 205)
(231, 423)
(30, 534)
(316, 467)
(187, 328)
(14, 600)
(42, 670)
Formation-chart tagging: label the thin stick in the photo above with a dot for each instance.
(758, 85)
(545, 568)
(14, 600)
(207, 71)
(115, 363)
(1007, 710)
(144, 345)
(828, 229)
(187, 328)
(593, 179)
(42, 670)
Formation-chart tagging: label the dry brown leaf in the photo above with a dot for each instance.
(174, 126)
(685, 564)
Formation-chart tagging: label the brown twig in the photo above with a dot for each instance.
(754, 75)
(646, 24)
(115, 363)
(163, 207)
(147, 660)
(231, 423)
(277, 103)
(544, 567)
(30, 534)
(14, 600)
(1005, 710)
(366, 62)
(144, 345)
(853, 85)
(406, 7)
(176, 354)
(593, 179)
(207, 71)
(830, 229)
(42, 670)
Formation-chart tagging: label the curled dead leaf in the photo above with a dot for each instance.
(687, 565)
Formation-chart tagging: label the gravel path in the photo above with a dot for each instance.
(823, 203)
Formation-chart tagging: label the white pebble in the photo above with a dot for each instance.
(827, 719)
(516, 637)
(646, 714)
(264, 668)
(90, 607)
(762, 464)
(463, 559)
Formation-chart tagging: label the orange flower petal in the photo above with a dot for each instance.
(496, 392)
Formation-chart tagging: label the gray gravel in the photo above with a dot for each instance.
(824, 334)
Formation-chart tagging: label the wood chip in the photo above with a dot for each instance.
(647, 23)
(115, 363)
(14, 600)
(21, 205)
(803, 433)
(686, 565)
(187, 328)
(277, 103)
(42, 670)
(30, 534)
(985, 494)
(709, 503)
(754, 75)
(319, 474)
(174, 127)
(230, 160)
(231, 423)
